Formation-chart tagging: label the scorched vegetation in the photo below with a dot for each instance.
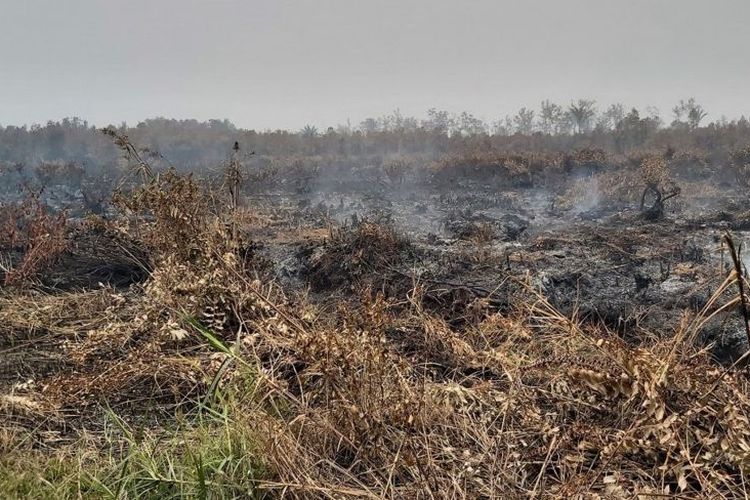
(401, 313)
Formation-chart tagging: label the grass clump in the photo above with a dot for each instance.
(215, 455)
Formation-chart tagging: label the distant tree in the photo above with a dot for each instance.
(369, 125)
(551, 118)
(309, 132)
(438, 121)
(611, 117)
(469, 124)
(604, 123)
(222, 125)
(397, 122)
(688, 113)
(524, 121)
(582, 113)
(633, 131)
(695, 116)
(55, 140)
(653, 114)
(503, 126)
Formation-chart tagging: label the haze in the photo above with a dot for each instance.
(283, 64)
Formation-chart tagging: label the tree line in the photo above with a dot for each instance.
(551, 127)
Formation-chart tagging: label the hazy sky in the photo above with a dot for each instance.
(268, 64)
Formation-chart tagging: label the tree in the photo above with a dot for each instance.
(438, 121)
(309, 132)
(551, 117)
(503, 126)
(582, 113)
(611, 117)
(633, 131)
(469, 124)
(695, 115)
(524, 121)
(369, 125)
(396, 122)
(688, 113)
(654, 115)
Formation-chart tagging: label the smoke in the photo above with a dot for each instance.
(591, 195)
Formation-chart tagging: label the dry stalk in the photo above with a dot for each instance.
(735, 252)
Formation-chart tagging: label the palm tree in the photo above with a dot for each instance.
(309, 131)
(582, 113)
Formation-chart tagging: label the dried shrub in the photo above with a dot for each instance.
(690, 164)
(615, 188)
(655, 174)
(586, 160)
(33, 236)
(302, 175)
(96, 193)
(60, 174)
(513, 169)
(170, 214)
(482, 233)
(368, 250)
(396, 170)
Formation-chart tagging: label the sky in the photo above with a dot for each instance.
(284, 64)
